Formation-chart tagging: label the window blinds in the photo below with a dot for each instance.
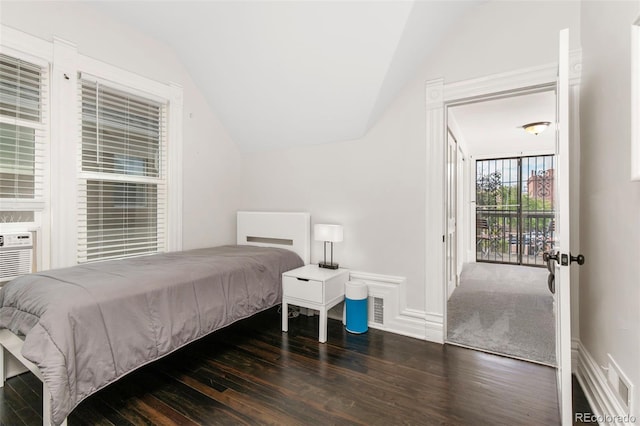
(122, 192)
(120, 132)
(20, 89)
(23, 89)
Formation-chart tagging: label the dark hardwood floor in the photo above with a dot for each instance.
(252, 373)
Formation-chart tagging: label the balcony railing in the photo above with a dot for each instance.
(511, 236)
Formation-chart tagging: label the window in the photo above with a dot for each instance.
(92, 176)
(123, 173)
(22, 139)
(515, 208)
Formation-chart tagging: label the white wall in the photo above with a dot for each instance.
(211, 166)
(610, 223)
(375, 186)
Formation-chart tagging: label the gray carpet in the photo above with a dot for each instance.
(505, 309)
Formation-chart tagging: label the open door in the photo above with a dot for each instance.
(563, 274)
(559, 258)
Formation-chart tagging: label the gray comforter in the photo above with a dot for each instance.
(89, 325)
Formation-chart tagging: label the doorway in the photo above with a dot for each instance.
(500, 304)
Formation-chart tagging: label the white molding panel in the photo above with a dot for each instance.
(397, 318)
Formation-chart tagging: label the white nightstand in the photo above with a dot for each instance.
(315, 288)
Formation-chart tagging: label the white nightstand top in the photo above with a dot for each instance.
(314, 272)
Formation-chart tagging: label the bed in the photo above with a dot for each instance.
(80, 328)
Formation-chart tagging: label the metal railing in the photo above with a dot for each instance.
(511, 236)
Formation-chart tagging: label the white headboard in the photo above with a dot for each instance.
(291, 231)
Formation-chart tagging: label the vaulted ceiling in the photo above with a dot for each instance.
(283, 73)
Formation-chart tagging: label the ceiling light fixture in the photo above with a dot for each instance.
(536, 128)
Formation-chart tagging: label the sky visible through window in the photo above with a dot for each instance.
(508, 168)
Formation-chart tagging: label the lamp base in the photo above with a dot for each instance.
(328, 265)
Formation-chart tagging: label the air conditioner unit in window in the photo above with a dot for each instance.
(16, 255)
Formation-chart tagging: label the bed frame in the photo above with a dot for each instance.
(290, 230)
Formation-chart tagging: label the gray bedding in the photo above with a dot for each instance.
(88, 325)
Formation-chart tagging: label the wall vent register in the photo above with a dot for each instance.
(378, 310)
(16, 255)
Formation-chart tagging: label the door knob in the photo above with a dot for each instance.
(579, 258)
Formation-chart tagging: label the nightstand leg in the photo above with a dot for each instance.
(323, 325)
(285, 316)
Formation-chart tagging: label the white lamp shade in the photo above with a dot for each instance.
(323, 232)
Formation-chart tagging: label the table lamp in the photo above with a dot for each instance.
(328, 234)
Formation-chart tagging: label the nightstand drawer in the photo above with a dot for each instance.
(302, 288)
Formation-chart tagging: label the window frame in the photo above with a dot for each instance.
(166, 94)
(42, 140)
(55, 222)
(108, 179)
(36, 51)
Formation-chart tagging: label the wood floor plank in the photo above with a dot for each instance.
(30, 395)
(160, 413)
(252, 373)
(237, 401)
(8, 415)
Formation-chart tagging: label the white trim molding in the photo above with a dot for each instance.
(435, 228)
(397, 318)
(635, 101)
(506, 82)
(602, 400)
(174, 207)
(65, 136)
(30, 48)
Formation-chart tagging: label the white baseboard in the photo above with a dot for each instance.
(606, 408)
(434, 328)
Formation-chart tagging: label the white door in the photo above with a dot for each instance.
(560, 259)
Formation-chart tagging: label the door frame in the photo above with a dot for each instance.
(440, 96)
